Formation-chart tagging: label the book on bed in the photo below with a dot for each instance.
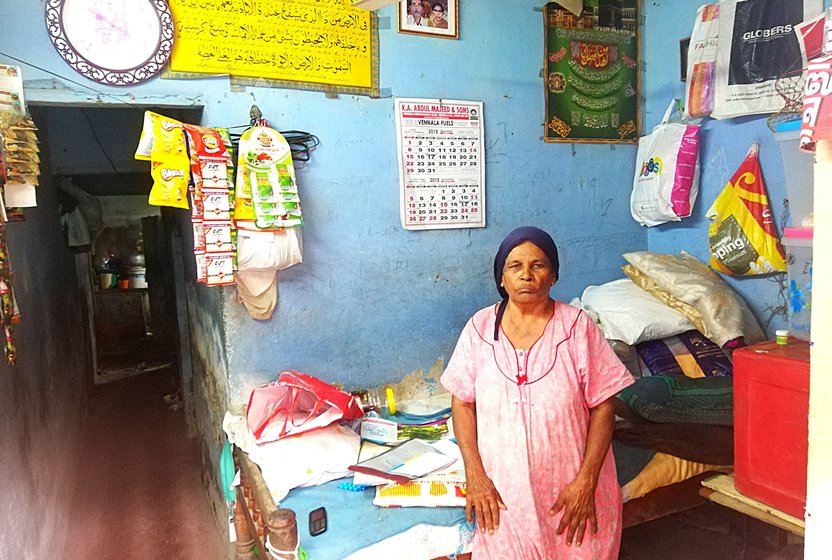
(405, 462)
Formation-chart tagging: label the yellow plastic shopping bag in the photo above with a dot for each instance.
(742, 236)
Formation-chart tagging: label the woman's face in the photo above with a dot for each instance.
(437, 13)
(527, 274)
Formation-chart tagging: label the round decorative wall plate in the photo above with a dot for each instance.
(113, 42)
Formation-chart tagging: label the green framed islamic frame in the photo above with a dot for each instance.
(592, 72)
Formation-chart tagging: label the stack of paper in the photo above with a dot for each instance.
(407, 461)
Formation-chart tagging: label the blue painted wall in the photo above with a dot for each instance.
(372, 302)
(724, 146)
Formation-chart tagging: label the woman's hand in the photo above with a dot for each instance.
(482, 497)
(578, 497)
(578, 500)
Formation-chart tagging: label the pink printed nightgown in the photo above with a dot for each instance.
(532, 436)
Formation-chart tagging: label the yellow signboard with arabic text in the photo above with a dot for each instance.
(325, 42)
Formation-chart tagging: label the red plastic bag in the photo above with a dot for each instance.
(297, 403)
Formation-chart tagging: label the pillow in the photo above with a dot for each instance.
(631, 315)
(724, 314)
(648, 285)
(664, 470)
(689, 353)
(306, 459)
(674, 398)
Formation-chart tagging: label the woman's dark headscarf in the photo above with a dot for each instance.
(520, 235)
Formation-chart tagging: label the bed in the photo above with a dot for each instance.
(255, 507)
(678, 441)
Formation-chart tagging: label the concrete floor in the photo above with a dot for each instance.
(141, 496)
(709, 532)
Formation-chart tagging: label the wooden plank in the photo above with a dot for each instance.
(720, 489)
(663, 501)
(261, 492)
(252, 478)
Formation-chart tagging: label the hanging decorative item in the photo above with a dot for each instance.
(435, 18)
(113, 43)
(19, 169)
(322, 46)
(591, 71)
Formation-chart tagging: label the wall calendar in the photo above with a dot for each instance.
(441, 163)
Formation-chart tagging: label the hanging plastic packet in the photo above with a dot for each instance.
(170, 184)
(214, 233)
(215, 206)
(666, 183)
(701, 69)
(201, 266)
(742, 236)
(170, 164)
(268, 177)
(145, 147)
(199, 235)
(219, 269)
(225, 136)
(218, 238)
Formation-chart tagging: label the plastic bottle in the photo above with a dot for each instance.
(378, 398)
(781, 336)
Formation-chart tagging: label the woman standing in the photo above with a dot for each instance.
(532, 381)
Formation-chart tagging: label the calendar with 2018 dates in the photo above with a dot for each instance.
(441, 163)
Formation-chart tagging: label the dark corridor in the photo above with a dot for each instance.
(141, 494)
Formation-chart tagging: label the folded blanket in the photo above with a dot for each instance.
(702, 443)
(676, 398)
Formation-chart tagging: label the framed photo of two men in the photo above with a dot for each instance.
(435, 18)
(592, 71)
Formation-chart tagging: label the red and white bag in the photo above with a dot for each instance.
(667, 172)
(297, 403)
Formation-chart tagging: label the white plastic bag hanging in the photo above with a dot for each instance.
(757, 46)
(667, 172)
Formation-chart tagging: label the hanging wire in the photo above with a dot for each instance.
(98, 140)
(782, 306)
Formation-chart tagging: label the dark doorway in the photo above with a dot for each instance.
(126, 265)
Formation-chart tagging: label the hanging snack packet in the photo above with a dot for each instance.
(219, 269)
(268, 178)
(170, 164)
(201, 266)
(742, 236)
(218, 238)
(145, 146)
(206, 142)
(170, 184)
